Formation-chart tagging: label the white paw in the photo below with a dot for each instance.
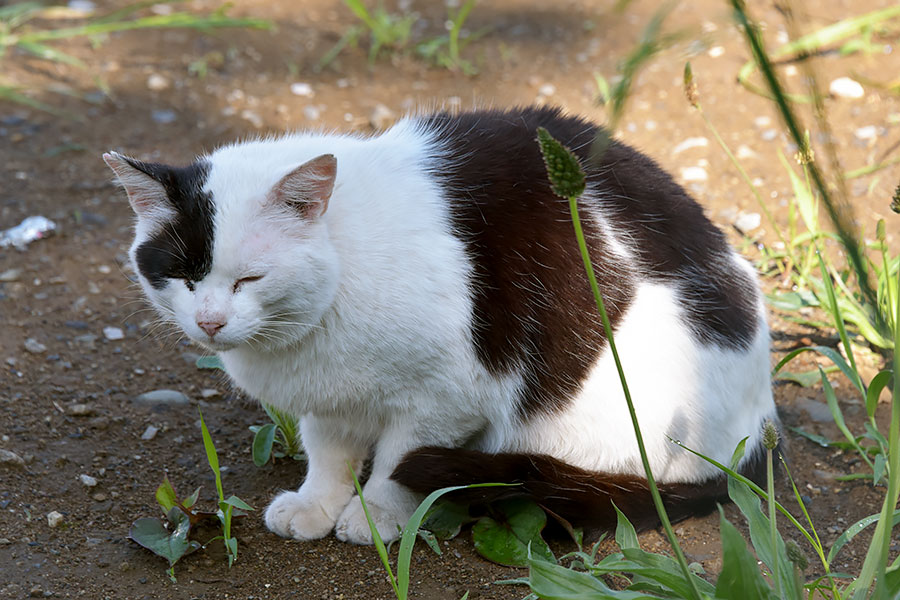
(296, 515)
(353, 527)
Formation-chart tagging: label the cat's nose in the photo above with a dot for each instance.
(210, 327)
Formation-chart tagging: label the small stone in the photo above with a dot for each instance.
(253, 117)
(747, 222)
(769, 134)
(302, 89)
(762, 122)
(36, 592)
(113, 333)
(164, 116)
(80, 410)
(87, 340)
(694, 174)
(691, 142)
(157, 82)
(744, 152)
(10, 458)
(34, 346)
(87, 480)
(867, 133)
(381, 116)
(844, 87)
(149, 433)
(10, 275)
(312, 112)
(54, 518)
(208, 393)
(548, 89)
(162, 397)
(716, 51)
(99, 497)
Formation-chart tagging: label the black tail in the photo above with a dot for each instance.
(583, 498)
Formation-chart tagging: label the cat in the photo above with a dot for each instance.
(417, 297)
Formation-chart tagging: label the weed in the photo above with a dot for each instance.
(173, 542)
(391, 32)
(279, 439)
(16, 33)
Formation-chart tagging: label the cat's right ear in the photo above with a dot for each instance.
(308, 188)
(147, 196)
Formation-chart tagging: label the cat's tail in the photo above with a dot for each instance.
(583, 498)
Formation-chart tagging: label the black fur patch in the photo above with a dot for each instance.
(533, 307)
(583, 498)
(182, 248)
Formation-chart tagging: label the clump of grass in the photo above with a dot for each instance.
(17, 33)
(172, 542)
(278, 439)
(391, 32)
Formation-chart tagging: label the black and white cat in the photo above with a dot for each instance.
(418, 297)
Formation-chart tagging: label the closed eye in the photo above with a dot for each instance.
(243, 280)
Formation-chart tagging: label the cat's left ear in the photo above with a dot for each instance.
(308, 188)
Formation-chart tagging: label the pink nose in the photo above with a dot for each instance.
(210, 327)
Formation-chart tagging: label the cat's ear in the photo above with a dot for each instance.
(147, 196)
(308, 188)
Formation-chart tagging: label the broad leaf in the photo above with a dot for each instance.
(554, 582)
(165, 495)
(740, 577)
(506, 540)
(210, 362)
(152, 535)
(262, 444)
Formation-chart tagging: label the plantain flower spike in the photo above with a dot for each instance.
(895, 201)
(690, 88)
(563, 169)
(770, 435)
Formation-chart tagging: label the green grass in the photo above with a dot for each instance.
(26, 28)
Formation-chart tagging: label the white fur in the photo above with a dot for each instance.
(361, 324)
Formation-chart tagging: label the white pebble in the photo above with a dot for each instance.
(209, 393)
(869, 132)
(548, 89)
(302, 89)
(252, 117)
(54, 519)
(744, 151)
(716, 51)
(382, 116)
(769, 134)
(762, 122)
(34, 346)
(844, 87)
(149, 433)
(157, 82)
(691, 142)
(694, 174)
(312, 112)
(747, 222)
(113, 333)
(87, 480)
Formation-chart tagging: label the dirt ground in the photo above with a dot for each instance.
(67, 396)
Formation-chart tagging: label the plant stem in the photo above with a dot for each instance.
(651, 483)
(770, 486)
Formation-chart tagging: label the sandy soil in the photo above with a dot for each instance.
(69, 409)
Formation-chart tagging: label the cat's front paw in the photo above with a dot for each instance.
(353, 527)
(296, 515)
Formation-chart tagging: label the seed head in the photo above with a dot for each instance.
(690, 88)
(880, 233)
(795, 555)
(563, 169)
(770, 435)
(895, 201)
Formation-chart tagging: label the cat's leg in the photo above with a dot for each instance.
(390, 504)
(311, 512)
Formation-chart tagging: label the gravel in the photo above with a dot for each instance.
(162, 397)
(10, 459)
(34, 346)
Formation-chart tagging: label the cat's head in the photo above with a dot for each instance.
(234, 255)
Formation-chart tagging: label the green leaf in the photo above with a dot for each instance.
(626, 537)
(152, 535)
(829, 353)
(211, 456)
(446, 518)
(854, 529)
(555, 582)
(165, 495)
(506, 540)
(192, 499)
(237, 503)
(878, 383)
(760, 536)
(210, 362)
(740, 577)
(803, 378)
(428, 537)
(563, 168)
(262, 444)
